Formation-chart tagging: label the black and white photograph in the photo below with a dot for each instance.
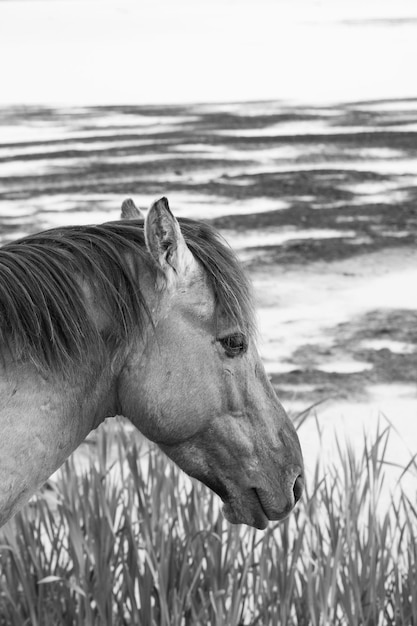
(208, 313)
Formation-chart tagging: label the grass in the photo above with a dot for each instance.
(127, 540)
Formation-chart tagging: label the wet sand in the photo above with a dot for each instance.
(320, 203)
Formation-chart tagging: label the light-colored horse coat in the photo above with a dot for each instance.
(151, 321)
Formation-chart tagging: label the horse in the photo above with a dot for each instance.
(149, 317)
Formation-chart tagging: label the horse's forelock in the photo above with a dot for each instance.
(230, 285)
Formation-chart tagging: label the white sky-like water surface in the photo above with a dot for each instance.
(123, 51)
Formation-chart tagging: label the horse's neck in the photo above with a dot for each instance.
(41, 422)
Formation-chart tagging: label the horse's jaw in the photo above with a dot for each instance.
(254, 491)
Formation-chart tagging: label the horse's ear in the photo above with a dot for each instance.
(166, 243)
(130, 211)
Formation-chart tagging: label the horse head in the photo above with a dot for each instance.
(195, 384)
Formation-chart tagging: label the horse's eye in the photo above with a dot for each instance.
(234, 344)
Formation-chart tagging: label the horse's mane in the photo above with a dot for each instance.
(43, 309)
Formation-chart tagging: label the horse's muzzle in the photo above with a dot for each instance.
(259, 505)
(277, 506)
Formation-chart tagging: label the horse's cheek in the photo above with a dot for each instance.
(166, 401)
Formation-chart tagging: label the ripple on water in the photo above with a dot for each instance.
(345, 367)
(397, 347)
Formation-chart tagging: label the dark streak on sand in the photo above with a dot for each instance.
(349, 339)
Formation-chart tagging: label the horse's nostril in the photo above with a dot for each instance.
(298, 488)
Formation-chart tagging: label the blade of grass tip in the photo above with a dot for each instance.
(50, 579)
(300, 418)
(319, 429)
(409, 505)
(397, 432)
(412, 462)
(381, 415)
(382, 438)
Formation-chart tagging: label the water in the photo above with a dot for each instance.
(106, 52)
